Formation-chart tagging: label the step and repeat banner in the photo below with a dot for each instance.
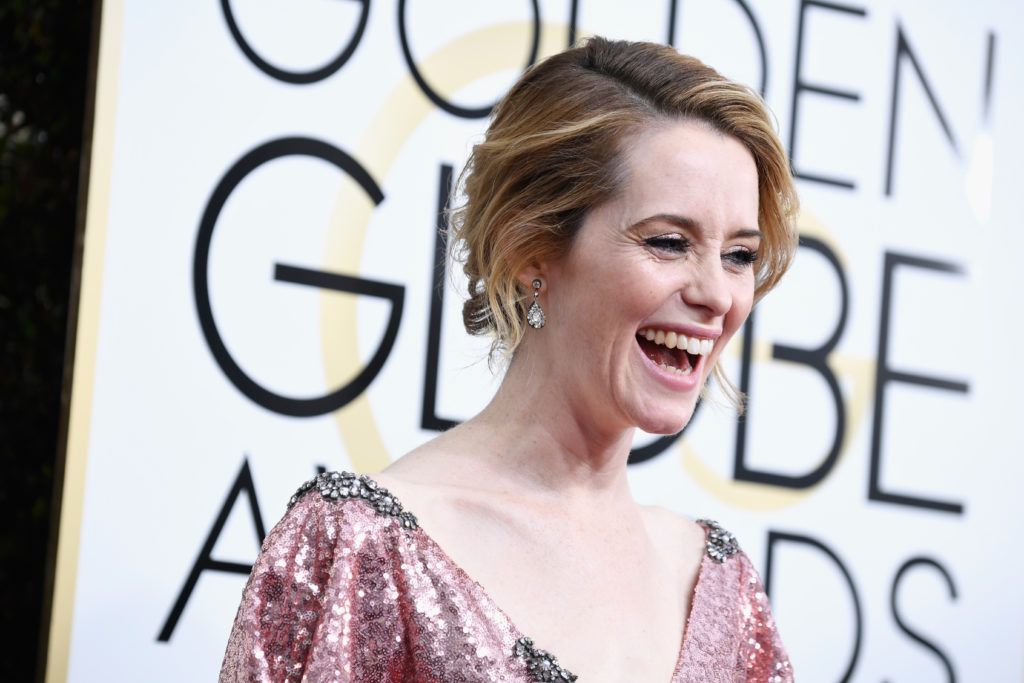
(264, 293)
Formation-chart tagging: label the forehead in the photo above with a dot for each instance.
(689, 169)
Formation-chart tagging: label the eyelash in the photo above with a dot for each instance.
(680, 245)
(676, 244)
(743, 257)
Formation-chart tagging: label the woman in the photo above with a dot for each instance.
(626, 209)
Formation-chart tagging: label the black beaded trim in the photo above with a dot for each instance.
(335, 486)
(721, 544)
(542, 665)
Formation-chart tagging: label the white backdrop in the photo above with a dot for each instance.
(257, 300)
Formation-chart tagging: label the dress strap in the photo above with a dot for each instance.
(338, 486)
(721, 544)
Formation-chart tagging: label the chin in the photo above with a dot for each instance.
(666, 424)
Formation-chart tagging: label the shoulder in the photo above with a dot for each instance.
(743, 611)
(723, 567)
(735, 587)
(328, 491)
(327, 562)
(732, 567)
(338, 515)
(700, 536)
(677, 533)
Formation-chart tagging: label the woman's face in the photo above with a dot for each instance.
(656, 281)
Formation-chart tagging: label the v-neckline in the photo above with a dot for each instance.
(695, 593)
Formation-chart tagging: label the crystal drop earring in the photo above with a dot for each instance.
(535, 314)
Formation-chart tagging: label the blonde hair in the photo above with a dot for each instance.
(553, 151)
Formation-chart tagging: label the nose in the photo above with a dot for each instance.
(708, 287)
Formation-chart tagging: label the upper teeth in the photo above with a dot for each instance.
(674, 340)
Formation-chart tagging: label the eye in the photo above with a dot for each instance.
(742, 257)
(674, 243)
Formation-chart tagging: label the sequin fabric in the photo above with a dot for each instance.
(349, 588)
(731, 634)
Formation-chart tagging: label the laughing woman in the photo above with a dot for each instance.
(626, 209)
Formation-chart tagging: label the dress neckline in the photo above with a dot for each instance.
(336, 486)
(518, 632)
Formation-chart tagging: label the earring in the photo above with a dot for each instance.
(535, 315)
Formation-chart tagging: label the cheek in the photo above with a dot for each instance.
(742, 302)
(614, 295)
(741, 305)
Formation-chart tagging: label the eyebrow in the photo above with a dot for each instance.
(692, 224)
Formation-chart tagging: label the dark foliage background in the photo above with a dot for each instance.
(44, 68)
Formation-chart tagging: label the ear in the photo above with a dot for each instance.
(534, 271)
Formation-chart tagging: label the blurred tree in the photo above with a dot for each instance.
(44, 67)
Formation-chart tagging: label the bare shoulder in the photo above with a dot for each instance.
(421, 481)
(413, 475)
(417, 493)
(674, 531)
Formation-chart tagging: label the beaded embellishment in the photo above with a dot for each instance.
(721, 544)
(334, 486)
(542, 665)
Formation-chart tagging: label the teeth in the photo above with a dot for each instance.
(674, 340)
(678, 371)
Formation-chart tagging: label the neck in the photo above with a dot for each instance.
(538, 435)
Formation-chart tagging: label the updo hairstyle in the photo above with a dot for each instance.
(554, 150)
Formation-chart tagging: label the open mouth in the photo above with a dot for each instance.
(671, 351)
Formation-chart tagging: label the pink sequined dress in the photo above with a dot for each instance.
(348, 587)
